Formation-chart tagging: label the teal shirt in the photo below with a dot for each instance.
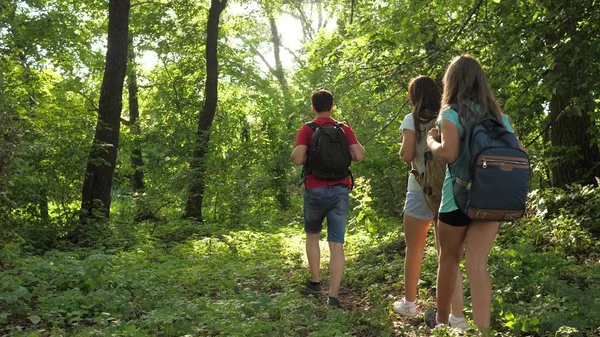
(448, 204)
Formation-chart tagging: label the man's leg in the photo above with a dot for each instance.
(336, 267)
(336, 231)
(314, 213)
(313, 254)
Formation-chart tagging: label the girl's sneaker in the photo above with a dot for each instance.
(403, 309)
(333, 302)
(430, 318)
(313, 287)
(458, 322)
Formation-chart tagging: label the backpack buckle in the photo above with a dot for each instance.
(481, 214)
(427, 190)
(513, 216)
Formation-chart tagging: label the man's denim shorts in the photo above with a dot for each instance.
(416, 207)
(327, 202)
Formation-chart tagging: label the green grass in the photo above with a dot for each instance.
(248, 283)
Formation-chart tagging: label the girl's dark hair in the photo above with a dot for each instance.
(425, 97)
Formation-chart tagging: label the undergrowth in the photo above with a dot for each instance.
(545, 273)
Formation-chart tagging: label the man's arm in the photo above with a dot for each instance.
(299, 154)
(358, 152)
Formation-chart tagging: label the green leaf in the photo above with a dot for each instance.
(35, 319)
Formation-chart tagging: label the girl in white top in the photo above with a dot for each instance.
(425, 97)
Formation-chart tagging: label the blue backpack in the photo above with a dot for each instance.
(493, 180)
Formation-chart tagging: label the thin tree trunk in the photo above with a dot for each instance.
(143, 212)
(279, 74)
(96, 192)
(42, 197)
(198, 162)
(279, 167)
(137, 161)
(43, 204)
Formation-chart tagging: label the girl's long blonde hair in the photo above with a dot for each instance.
(465, 80)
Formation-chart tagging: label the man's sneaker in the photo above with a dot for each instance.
(430, 319)
(403, 309)
(333, 302)
(458, 322)
(313, 287)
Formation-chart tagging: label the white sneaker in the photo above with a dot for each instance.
(459, 323)
(405, 310)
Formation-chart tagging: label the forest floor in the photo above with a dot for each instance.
(251, 283)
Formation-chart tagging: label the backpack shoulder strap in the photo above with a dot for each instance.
(429, 125)
(312, 125)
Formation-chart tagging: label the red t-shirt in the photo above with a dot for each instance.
(303, 138)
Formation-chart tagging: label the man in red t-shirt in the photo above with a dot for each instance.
(325, 199)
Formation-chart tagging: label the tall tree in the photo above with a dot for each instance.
(137, 161)
(96, 193)
(572, 103)
(544, 62)
(198, 161)
(281, 150)
(276, 40)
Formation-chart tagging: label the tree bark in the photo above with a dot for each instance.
(279, 163)
(571, 106)
(143, 212)
(198, 162)
(571, 130)
(279, 74)
(96, 192)
(137, 161)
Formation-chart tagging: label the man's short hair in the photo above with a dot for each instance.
(322, 100)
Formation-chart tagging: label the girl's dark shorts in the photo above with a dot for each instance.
(455, 218)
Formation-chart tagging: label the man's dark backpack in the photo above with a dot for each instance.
(493, 181)
(329, 155)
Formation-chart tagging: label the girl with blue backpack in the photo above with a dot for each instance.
(466, 101)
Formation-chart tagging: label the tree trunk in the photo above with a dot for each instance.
(43, 204)
(198, 162)
(571, 131)
(96, 193)
(42, 197)
(279, 162)
(279, 74)
(570, 108)
(137, 161)
(143, 212)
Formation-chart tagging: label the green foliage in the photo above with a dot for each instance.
(563, 220)
(249, 282)
(244, 283)
(547, 263)
(240, 271)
